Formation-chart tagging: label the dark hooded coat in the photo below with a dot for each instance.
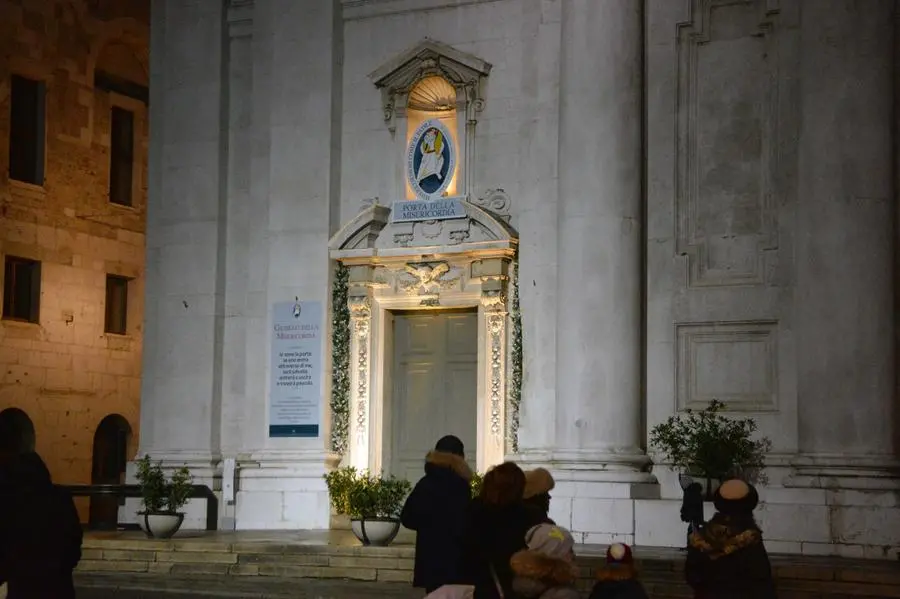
(493, 535)
(538, 576)
(726, 559)
(436, 511)
(40, 532)
(618, 581)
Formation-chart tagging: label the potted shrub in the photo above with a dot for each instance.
(162, 498)
(373, 503)
(708, 447)
(476, 483)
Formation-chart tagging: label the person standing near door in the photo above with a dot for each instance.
(436, 510)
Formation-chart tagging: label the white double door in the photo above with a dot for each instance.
(435, 386)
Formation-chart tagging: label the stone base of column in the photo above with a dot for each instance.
(846, 472)
(205, 469)
(597, 495)
(283, 491)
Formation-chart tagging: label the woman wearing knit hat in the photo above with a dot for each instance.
(726, 557)
(538, 484)
(618, 578)
(546, 568)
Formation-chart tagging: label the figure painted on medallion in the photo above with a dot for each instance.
(430, 160)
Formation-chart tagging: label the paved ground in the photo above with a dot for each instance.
(216, 587)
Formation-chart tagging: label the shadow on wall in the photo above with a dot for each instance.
(16, 431)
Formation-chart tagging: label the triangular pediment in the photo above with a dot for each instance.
(429, 57)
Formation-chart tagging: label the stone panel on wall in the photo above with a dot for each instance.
(727, 89)
(721, 169)
(733, 362)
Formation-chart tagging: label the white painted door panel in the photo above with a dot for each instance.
(435, 386)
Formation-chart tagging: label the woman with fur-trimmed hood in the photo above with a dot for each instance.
(726, 557)
(436, 510)
(546, 569)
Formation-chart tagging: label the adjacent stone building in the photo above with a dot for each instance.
(660, 202)
(73, 148)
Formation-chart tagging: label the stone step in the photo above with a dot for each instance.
(255, 560)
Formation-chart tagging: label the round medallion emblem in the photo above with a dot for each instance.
(430, 159)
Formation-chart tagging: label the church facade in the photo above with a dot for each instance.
(542, 225)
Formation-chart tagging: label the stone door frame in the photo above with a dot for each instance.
(424, 266)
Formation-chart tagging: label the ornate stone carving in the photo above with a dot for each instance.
(496, 325)
(427, 279)
(463, 71)
(495, 201)
(494, 301)
(361, 317)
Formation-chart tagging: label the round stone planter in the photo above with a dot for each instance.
(378, 532)
(160, 526)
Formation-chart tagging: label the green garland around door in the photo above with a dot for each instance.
(515, 358)
(340, 361)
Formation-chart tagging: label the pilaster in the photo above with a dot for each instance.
(360, 305)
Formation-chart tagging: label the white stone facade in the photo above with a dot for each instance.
(702, 198)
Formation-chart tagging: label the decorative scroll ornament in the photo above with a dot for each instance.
(495, 201)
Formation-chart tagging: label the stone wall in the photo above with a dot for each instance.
(64, 372)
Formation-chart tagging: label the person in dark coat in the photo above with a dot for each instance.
(618, 578)
(692, 508)
(436, 510)
(726, 558)
(40, 532)
(496, 525)
(538, 484)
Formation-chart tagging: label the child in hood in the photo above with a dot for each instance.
(618, 579)
(546, 569)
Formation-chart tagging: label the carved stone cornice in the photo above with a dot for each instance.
(494, 301)
(465, 72)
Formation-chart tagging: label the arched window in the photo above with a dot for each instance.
(110, 455)
(16, 431)
(433, 97)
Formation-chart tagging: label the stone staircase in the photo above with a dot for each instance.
(254, 563)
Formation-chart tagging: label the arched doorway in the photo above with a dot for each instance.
(16, 431)
(109, 459)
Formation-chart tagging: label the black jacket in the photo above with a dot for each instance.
(436, 510)
(727, 560)
(619, 589)
(40, 532)
(492, 536)
(692, 505)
